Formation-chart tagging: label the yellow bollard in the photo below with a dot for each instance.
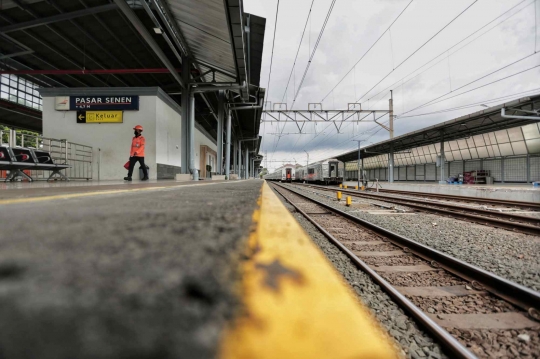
(348, 201)
(363, 188)
(345, 186)
(339, 195)
(355, 187)
(340, 185)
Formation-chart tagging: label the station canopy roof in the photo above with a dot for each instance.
(481, 122)
(95, 43)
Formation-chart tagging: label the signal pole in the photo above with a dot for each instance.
(360, 170)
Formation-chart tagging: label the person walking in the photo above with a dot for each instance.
(137, 153)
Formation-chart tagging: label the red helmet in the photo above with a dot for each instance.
(138, 127)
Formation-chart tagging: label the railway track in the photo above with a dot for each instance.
(446, 296)
(454, 198)
(505, 220)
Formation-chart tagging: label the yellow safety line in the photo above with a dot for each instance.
(295, 305)
(97, 193)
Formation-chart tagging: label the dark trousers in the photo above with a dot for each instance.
(132, 161)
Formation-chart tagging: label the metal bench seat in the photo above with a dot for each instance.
(18, 159)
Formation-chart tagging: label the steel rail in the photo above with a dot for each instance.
(514, 293)
(500, 222)
(503, 202)
(447, 340)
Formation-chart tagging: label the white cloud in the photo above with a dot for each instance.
(353, 27)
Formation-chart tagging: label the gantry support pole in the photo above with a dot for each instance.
(391, 130)
(228, 147)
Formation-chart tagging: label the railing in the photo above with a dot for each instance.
(79, 157)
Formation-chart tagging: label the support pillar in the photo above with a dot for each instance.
(246, 164)
(391, 165)
(239, 159)
(442, 180)
(228, 147)
(528, 168)
(391, 115)
(235, 156)
(191, 131)
(184, 105)
(221, 113)
(502, 170)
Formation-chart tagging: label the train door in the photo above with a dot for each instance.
(333, 170)
(288, 174)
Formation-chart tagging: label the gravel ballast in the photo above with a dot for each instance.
(414, 342)
(513, 256)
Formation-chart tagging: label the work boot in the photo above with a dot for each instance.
(144, 178)
(127, 178)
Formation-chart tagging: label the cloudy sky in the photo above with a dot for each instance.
(436, 51)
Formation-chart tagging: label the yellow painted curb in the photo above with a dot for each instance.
(295, 304)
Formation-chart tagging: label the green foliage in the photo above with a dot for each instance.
(29, 136)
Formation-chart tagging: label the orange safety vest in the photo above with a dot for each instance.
(137, 146)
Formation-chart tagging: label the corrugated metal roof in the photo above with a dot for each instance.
(205, 28)
(480, 122)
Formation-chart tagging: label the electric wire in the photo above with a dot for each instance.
(368, 50)
(418, 49)
(429, 103)
(298, 50)
(314, 51)
(272, 56)
(476, 104)
(456, 44)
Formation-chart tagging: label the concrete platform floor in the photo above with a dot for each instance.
(120, 270)
(503, 191)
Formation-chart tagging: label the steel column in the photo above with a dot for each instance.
(184, 134)
(442, 159)
(239, 160)
(228, 147)
(191, 131)
(528, 168)
(502, 170)
(246, 165)
(221, 110)
(235, 162)
(391, 115)
(391, 165)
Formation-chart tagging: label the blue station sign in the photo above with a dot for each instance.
(125, 103)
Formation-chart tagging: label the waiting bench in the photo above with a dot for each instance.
(18, 159)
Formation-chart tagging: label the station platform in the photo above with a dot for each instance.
(169, 270)
(514, 192)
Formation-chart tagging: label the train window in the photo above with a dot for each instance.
(311, 171)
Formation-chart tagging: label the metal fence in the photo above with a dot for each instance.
(78, 156)
(515, 169)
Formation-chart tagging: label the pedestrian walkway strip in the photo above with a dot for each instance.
(295, 304)
(100, 193)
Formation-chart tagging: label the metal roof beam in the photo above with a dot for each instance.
(137, 23)
(56, 18)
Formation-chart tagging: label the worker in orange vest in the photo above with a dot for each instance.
(137, 153)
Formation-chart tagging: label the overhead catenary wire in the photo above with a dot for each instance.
(418, 49)
(429, 103)
(298, 50)
(314, 51)
(272, 55)
(456, 44)
(368, 50)
(476, 104)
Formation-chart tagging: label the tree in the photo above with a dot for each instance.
(263, 172)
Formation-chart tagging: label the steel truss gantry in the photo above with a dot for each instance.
(315, 113)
